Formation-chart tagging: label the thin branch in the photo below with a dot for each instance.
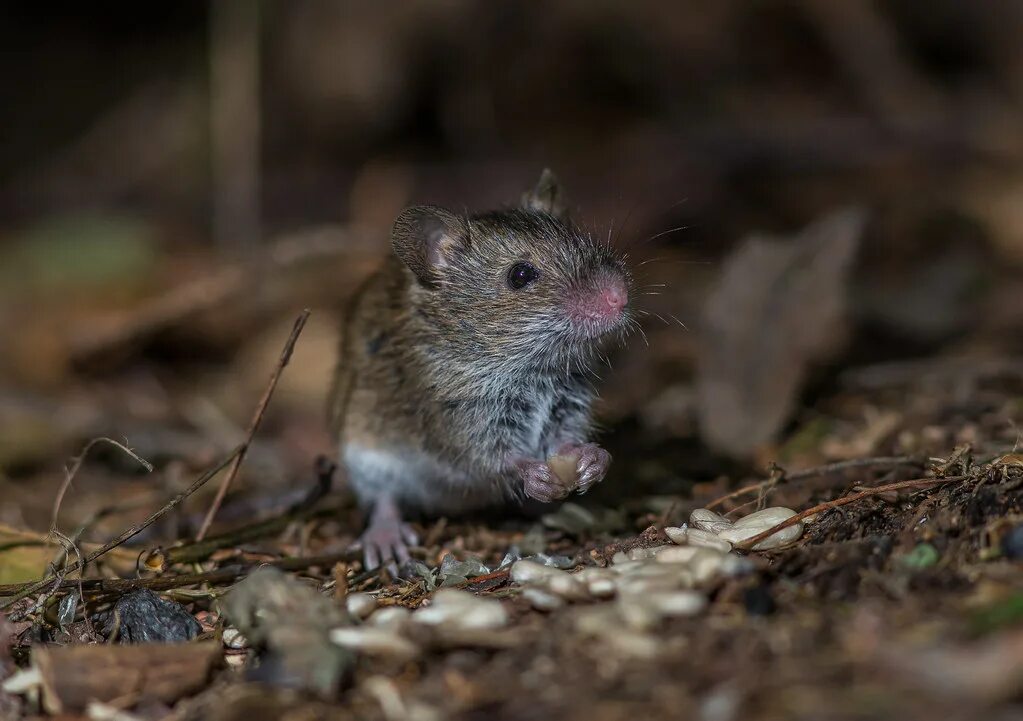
(257, 418)
(825, 470)
(844, 501)
(76, 463)
(303, 510)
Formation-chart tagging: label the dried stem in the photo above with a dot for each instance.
(76, 463)
(844, 501)
(257, 418)
(814, 472)
(35, 586)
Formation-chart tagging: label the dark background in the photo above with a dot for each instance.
(149, 148)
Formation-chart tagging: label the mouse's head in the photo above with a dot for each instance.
(521, 285)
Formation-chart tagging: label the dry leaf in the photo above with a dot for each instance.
(779, 308)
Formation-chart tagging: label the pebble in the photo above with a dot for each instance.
(360, 605)
(696, 537)
(462, 610)
(709, 521)
(375, 641)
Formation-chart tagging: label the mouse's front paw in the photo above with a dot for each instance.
(540, 482)
(591, 464)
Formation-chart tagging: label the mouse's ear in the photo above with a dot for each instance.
(547, 196)
(425, 237)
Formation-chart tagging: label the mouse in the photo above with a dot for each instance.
(464, 377)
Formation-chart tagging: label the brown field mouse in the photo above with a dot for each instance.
(463, 371)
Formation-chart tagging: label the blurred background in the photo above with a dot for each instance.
(177, 181)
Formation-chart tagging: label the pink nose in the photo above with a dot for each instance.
(613, 299)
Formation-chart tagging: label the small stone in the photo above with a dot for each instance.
(374, 641)
(360, 605)
(695, 537)
(709, 521)
(543, 600)
(619, 558)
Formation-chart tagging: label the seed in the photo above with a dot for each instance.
(462, 610)
(565, 586)
(543, 600)
(756, 523)
(374, 641)
(391, 617)
(706, 565)
(765, 518)
(233, 638)
(678, 554)
(360, 605)
(696, 537)
(531, 571)
(707, 520)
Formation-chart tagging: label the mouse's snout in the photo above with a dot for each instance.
(613, 299)
(600, 305)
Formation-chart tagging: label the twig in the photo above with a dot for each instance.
(824, 470)
(129, 533)
(76, 463)
(844, 501)
(289, 347)
(302, 510)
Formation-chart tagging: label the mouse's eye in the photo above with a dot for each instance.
(521, 274)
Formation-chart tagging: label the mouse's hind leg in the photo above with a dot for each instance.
(387, 537)
(380, 479)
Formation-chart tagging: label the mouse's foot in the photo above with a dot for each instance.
(592, 465)
(386, 540)
(540, 482)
